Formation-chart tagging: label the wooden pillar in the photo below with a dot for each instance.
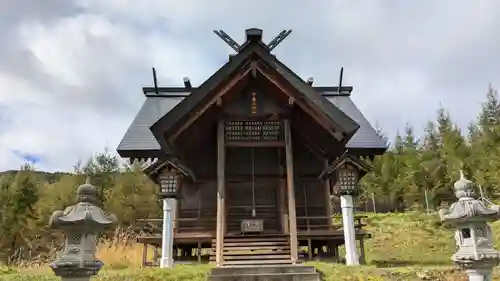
(335, 250)
(198, 252)
(144, 254)
(176, 211)
(155, 255)
(310, 250)
(328, 202)
(291, 192)
(282, 196)
(220, 194)
(329, 211)
(362, 258)
(282, 207)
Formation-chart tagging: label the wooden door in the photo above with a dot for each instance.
(247, 200)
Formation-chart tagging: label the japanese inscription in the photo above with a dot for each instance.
(253, 131)
(252, 226)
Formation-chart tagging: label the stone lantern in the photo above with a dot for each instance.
(80, 224)
(470, 217)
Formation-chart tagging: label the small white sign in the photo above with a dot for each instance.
(253, 225)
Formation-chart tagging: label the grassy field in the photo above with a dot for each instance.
(404, 247)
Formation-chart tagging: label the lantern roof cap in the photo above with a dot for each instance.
(361, 166)
(464, 188)
(468, 208)
(87, 189)
(86, 214)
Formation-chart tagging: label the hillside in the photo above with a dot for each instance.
(408, 246)
(41, 175)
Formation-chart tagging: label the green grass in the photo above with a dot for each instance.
(183, 272)
(407, 246)
(408, 239)
(198, 273)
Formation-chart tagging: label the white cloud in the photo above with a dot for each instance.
(71, 75)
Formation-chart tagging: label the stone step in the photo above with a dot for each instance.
(261, 255)
(264, 269)
(307, 276)
(257, 262)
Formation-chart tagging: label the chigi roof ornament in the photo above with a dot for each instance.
(252, 34)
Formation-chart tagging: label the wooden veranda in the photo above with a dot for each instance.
(316, 243)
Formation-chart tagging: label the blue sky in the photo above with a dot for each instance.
(71, 71)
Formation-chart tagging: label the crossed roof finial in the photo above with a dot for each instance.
(253, 34)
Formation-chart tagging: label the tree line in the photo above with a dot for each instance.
(413, 173)
(416, 172)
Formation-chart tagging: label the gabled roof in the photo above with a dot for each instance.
(139, 141)
(205, 92)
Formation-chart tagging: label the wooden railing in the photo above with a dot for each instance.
(192, 222)
(358, 220)
(197, 220)
(322, 222)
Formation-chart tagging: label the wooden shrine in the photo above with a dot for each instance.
(250, 145)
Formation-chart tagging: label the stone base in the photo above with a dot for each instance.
(166, 263)
(265, 273)
(73, 272)
(479, 274)
(75, 279)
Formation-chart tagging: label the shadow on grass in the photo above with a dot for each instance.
(404, 263)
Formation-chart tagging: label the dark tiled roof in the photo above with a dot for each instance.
(139, 136)
(366, 136)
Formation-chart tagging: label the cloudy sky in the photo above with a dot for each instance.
(71, 71)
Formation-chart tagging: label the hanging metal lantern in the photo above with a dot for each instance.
(344, 174)
(347, 180)
(169, 185)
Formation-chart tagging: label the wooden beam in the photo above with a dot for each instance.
(237, 78)
(309, 144)
(290, 177)
(220, 194)
(255, 144)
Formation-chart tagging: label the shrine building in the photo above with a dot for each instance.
(254, 148)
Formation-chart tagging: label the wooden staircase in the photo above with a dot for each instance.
(254, 250)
